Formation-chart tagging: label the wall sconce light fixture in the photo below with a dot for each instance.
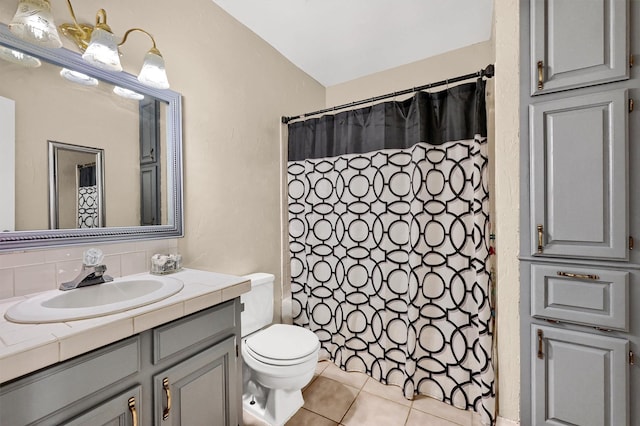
(33, 22)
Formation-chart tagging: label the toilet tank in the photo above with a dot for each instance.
(258, 303)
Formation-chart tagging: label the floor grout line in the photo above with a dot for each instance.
(361, 390)
(350, 405)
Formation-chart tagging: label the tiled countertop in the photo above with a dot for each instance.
(25, 348)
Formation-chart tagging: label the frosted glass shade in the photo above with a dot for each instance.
(33, 22)
(126, 93)
(153, 73)
(19, 58)
(102, 51)
(78, 77)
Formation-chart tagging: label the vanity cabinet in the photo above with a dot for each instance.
(580, 213)
(187, 371)
(43, 397)
(577, 43)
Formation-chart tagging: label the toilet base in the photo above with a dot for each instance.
(279, 407)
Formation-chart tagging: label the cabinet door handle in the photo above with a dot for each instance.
(167, 391)
(580, 276)
(540, 75)
(134, 412)
(540, 354)
(540, 237)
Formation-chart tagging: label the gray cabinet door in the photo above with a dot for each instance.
(578, 378)
(149, 131)
(577, 43)
(579, 176)
(122, 410)
(200, 390)
(150, 195)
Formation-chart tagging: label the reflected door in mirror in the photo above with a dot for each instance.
(76, 186)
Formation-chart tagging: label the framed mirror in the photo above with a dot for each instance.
(131, 132)
(76, 186)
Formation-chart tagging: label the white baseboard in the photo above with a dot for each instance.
(501, 421)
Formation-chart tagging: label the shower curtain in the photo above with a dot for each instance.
(389, 243)
(87, 196)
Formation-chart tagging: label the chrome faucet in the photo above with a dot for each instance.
(92, 273)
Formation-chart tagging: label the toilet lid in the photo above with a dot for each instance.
(283, 342)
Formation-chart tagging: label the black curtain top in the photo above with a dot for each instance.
(457, 113)
(87, 175)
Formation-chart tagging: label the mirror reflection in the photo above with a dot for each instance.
(76, 186)
(126, 128)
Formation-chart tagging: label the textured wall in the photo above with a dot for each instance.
(507, 203)
(234, 87)
(451, 64)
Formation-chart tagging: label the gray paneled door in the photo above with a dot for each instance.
(122, 410)
(200, 390)
(577, 43)
(578, 378)
(579, 176)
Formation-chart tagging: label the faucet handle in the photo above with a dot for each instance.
(93, 257)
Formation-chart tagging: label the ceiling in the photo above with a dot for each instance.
(340, 40)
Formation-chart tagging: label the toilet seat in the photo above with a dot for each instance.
(283, 344)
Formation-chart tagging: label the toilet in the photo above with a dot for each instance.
(277, 360)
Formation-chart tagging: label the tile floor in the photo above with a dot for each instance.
(335, 397)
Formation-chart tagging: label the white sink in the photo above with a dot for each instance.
(88, 302)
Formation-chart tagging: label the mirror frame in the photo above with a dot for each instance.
(39, 239)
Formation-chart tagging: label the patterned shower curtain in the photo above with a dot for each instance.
(87, 197)
(389, 243)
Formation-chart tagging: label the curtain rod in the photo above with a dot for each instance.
(487, 72)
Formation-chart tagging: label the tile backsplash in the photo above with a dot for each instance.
(28, 272)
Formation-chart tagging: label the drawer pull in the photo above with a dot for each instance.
(579, 276)
(540, 75)
(540, 235)
(167, 391)
(552, 321)
(134, 412)
(540, 354)
(607, 330)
